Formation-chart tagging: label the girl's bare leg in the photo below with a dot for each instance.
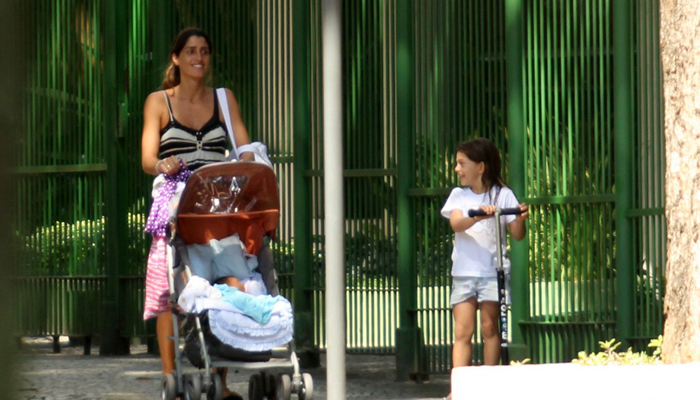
(489, 330)
(465, 318)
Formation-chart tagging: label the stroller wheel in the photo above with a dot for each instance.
(256, 389)
(307, 389)
(216, 390)
(269, 384)
(168, 387)
(193, 387)
(284, 387)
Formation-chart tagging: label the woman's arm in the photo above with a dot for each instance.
(150, 138)
(517, 226)
(239, 130)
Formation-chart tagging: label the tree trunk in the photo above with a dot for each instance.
(680, 53)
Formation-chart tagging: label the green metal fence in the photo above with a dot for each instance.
(647, 209)
(536, 76)
(570, 179)
(574, 278)
(61, 172)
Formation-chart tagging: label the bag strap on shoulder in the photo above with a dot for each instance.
(223, 103)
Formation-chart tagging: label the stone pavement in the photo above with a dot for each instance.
(43, 375)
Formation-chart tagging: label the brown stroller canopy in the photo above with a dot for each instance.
(222, 199)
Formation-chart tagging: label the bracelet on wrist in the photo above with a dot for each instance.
(158, 165)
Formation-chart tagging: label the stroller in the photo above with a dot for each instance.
(218, 201)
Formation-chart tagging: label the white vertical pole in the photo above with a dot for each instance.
(332, 31)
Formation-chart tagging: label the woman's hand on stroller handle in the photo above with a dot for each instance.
(170, 165)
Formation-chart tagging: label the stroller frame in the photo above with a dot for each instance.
(277, 378)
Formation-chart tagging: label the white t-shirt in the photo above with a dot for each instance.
(474, 252)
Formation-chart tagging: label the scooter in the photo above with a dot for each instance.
(500, 277)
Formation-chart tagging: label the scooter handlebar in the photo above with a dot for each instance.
(504, 211)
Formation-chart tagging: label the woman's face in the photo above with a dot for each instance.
(193, 59)
(469, 172)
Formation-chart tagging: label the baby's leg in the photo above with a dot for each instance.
(232, 281)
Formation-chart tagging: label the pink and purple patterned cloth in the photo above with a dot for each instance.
(157, 222)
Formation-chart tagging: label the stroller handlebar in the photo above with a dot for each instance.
(502, 211)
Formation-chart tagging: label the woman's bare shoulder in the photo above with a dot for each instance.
(156, 97)
(155, 101)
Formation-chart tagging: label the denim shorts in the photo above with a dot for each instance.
(464, 288)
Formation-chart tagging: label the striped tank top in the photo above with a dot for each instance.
(195, 147)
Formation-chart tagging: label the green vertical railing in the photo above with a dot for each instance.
(623, 134)
(301, 213)
(314, 165)
(517, 137)
(646, 210)
(409, 358)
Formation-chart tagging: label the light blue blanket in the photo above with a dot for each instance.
(257, 307)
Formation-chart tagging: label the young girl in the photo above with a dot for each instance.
(474, 255)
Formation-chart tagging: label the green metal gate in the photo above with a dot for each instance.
(539, 77)
(61, 173)
(580, 286)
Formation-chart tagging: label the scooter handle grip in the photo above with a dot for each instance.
(504, 211)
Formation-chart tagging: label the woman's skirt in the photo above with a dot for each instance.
(157, 290)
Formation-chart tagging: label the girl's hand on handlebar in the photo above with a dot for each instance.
(488, 209)
(523, 216)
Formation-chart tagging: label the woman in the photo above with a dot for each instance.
(182, 122)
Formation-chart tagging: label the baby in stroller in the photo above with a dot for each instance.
(223, 287)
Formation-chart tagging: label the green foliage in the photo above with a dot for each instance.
(370, 252)
(57, 249)
(65, 248)
(610, 356)
(283, 253)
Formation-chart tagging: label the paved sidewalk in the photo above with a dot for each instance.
(44, 375)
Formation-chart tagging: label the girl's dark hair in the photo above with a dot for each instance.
(171, 77)
(483, 150)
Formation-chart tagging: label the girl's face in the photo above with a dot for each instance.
(469, 172)
(193, 59)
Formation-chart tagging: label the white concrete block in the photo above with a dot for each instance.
(573, 381)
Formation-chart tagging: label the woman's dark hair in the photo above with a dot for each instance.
(483, 150)
(171, 76)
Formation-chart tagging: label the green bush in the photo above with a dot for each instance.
(610, 356)
(65, 248)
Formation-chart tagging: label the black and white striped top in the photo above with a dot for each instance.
(195, 147)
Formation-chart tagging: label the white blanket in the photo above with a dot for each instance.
(231, 325)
